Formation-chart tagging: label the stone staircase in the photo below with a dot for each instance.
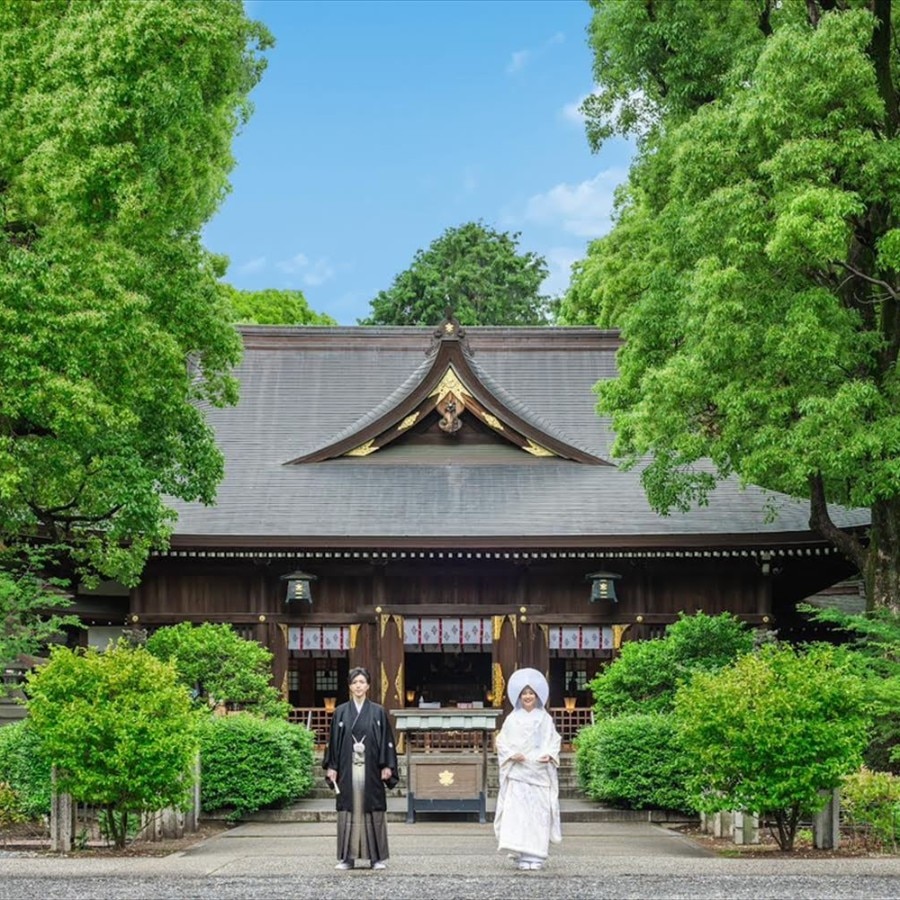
(568, 782)
(574, 805)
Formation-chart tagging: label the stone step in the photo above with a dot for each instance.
(571, 810)
(566, 772)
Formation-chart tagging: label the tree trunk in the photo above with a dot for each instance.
(881, 571)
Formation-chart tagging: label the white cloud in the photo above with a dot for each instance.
(571, 112)
(252, 265)
(583, 209)
(295, 264)
(320, 272)
(311, 274)
(518, 61)
(559, 262)
(521, 58)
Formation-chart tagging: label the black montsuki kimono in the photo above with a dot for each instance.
(373, 725)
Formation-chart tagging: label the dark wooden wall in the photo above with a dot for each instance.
(522, 595)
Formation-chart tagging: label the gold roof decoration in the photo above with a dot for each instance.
(536, 449)
(409, 421)
(362, 450)
(451, 384)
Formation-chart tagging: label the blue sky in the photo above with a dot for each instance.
(379, 124)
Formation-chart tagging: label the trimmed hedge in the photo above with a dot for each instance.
(248, 763)
(24, 769)
(634, 761)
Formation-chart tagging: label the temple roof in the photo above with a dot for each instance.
(403, 437)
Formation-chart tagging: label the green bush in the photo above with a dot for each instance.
(773, 731)
(247, 763)
(646, 674)
(11, 812)
(870, 806)
(585, 755)
(25, 768)
(634, 761)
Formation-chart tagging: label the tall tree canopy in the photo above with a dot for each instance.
(116, 122)
(754, 267)
(273, 307)
(473, 269)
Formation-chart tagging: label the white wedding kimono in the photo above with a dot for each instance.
(527, 813)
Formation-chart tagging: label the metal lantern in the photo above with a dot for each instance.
(298, 587)
(603, 586)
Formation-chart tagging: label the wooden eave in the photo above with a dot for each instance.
(801, 543)
(451, 386)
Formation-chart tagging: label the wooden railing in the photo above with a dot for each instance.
(568, 723)
(316, 718)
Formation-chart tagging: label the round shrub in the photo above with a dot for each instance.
(586, 755)
(248, 763)
(634, 761)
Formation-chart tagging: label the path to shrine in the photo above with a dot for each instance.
(447, 859)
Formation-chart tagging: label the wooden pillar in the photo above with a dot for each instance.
(764, 586)
(277, 640)
(504, 660)
(390, 679)
(533, 647)
(363, 649)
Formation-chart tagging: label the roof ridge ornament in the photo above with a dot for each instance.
(449, 330)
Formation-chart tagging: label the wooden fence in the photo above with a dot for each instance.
(568, 723)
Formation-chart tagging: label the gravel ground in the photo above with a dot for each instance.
(445, 861)
(524, 886)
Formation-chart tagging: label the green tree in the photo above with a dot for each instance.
(875, 638)
(770, 732)
(218, 665)
(754, 267)
(646, 674)
(32, 605)
(116, 121)
(273, 307)
(476, 271)
(118, 727)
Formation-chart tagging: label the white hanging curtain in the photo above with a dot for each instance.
(319, 637)
(580, 637)
(438, 631)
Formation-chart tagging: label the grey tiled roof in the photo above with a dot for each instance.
(303, 387)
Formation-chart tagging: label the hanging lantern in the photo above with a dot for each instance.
(603, 586)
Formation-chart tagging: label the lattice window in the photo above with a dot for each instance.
(576, 676)
(326, 676)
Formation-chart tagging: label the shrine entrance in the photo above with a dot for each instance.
(448, 677)
(447, 661)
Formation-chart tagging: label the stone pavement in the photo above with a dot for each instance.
(446, 859)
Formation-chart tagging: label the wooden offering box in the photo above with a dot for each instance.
(446, 782)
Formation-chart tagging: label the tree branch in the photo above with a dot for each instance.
(820, 520)
(891, 291)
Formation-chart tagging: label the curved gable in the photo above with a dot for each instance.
(450, 400)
